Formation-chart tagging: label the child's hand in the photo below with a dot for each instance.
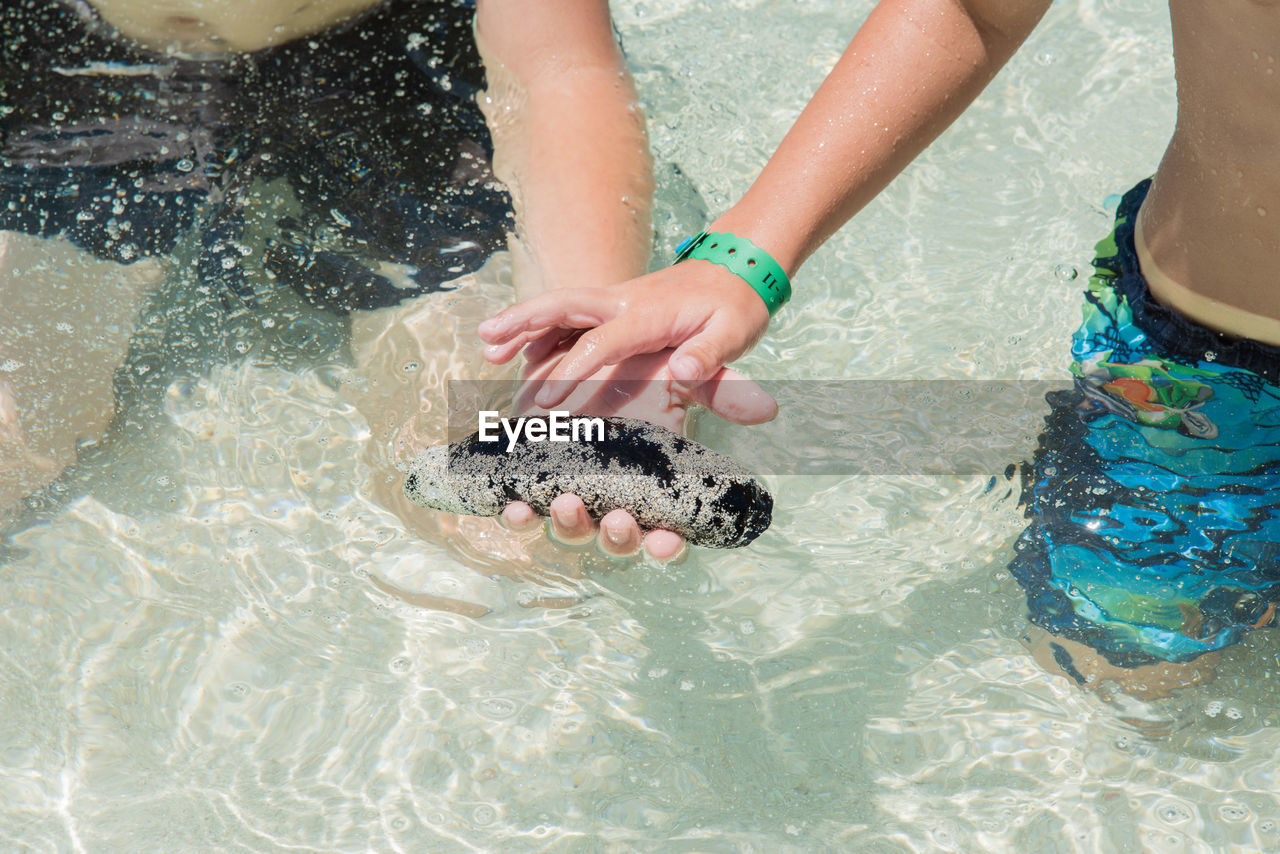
(699, 313)
(637, 387)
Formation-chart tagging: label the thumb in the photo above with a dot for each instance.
(699, 358)
(735, 398)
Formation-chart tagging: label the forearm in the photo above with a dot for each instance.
(570, 145)
(914, 66)
(584, 182)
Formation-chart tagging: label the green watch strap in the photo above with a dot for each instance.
(745, 260)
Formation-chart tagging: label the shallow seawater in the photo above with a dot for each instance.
(216, 637)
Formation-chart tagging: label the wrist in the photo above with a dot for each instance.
(782, 244)
(731, 290)
(745, 260)
(539, 272)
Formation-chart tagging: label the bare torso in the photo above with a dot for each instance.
(216, 26)
(1209, 232)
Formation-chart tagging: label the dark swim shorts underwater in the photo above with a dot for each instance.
(373, 128)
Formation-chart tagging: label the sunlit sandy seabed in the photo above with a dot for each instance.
(219, 642)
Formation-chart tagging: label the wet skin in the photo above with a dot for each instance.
(196, 27)
(1211, 223)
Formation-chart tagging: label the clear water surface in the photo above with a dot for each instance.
(219, 641)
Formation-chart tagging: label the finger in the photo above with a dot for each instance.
(577, 308)
(570, 522)
(519, 516)
(619, 534)
(605, 345)
(540, 349)
(500, 354)
(735, 398)
(664, 545)
(704, 354)
(538, 345)
(538, 366)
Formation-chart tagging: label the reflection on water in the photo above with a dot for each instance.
(216, 637)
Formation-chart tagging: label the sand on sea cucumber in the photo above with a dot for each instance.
(662, 478)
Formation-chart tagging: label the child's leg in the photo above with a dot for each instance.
(65, 323)
(1088, 668)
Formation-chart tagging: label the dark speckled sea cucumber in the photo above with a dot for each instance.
(663, 479)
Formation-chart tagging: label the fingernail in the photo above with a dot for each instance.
(615, 536)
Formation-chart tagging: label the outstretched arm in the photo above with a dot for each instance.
(569, 142)
(570, 145)
(913, 67)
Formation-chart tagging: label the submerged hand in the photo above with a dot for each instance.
(697, 316)
(636, 387)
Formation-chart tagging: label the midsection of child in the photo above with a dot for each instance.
(215, 26)
(1209, 231)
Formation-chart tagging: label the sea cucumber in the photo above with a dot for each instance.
(661, 478)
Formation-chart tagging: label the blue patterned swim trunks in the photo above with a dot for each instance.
(1154, 497)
